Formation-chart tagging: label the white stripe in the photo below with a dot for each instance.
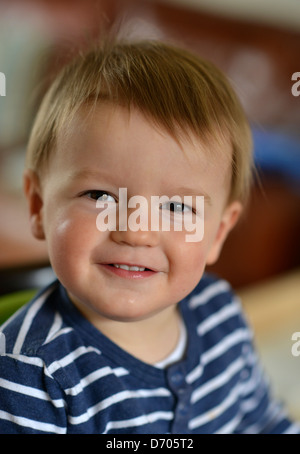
(293, 429)
(216, 411)
(225, 344)
(94, 376)
(32, 360)
(217, 350)
(217, 381)
(230, 426)
(36, 425)
(268, 416)
(58, 334)
(115, 398)
(57, 323)
(218, 317)
(249, 405)
(139, 420)
(68, 359)
(32, 392)
(31, 313)
(209, 292)
(194, 374)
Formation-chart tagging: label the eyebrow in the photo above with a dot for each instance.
(86, 173)
(193, 192)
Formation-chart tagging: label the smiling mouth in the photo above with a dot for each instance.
(129, 271)
(130, 267)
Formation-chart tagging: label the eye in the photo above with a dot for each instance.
(176, 207)
(96, 194)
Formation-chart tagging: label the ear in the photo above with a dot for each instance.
(33, 194)
(229, 218)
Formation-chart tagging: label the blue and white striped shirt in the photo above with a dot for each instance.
(59, 374)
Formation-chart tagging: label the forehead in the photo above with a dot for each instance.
(112, 137)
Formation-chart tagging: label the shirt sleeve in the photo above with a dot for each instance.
(31, 402)
(261, 413)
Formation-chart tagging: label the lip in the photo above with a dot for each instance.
(127, 274)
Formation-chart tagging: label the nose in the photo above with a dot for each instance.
(138, 238)
(135, 233)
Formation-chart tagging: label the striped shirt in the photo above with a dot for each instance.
(59, 374)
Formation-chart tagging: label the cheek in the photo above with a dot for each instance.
(187, 263)
(70, 240)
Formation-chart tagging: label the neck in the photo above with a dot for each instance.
(149, 340)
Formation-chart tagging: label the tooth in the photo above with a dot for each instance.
(124, 267)
(129, 268)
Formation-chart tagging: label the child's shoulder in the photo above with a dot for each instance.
(214, 303)
(210, 289)
(35, 324)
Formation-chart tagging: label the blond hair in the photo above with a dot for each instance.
(173, 87)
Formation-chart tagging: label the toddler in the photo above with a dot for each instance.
(134, 337)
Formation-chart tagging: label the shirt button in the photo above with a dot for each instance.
(244, 374)
(177, 378)
(245, 349)
(182, 408)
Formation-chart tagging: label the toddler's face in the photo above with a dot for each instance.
(101, 153)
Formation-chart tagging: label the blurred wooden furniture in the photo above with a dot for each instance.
(266, 242)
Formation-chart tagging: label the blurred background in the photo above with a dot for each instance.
(257, 44)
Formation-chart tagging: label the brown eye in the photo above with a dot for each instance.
(176, 207)
(103, 196)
